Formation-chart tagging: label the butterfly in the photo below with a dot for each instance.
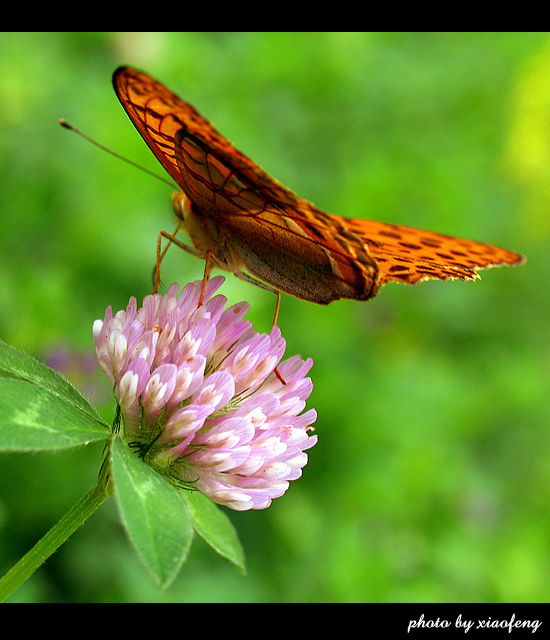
(244, 221)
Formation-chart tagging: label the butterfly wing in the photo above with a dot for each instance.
(167, 123)
(247, 218)
(405, 254)
(154, 112)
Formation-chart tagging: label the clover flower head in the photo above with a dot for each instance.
(200, 398)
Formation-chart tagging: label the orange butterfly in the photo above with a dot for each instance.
(241, 218)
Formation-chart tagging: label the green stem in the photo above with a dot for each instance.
(55, 537)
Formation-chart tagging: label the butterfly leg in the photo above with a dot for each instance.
(209, 258)
(275, 316)
(259, 283)
(244, 276)
(277, 307)
(160, 254)
(206, 275)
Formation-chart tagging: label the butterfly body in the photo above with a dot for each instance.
(262, 240)
(250, 224)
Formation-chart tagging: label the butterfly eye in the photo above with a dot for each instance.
(181, 205)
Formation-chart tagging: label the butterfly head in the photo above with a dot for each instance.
(181, 205)
(202, 232)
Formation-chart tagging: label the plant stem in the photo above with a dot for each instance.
(55, 537)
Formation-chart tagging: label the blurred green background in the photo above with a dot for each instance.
(431, 478)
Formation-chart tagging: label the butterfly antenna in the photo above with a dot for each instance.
(65, 124)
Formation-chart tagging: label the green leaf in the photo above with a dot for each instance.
(212, 524)
(19, 365)
(34, 419)
(153, 514)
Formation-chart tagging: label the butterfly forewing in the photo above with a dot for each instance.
(156, 113)
(247, 219)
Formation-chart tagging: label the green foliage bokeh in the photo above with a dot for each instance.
(431, 478)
